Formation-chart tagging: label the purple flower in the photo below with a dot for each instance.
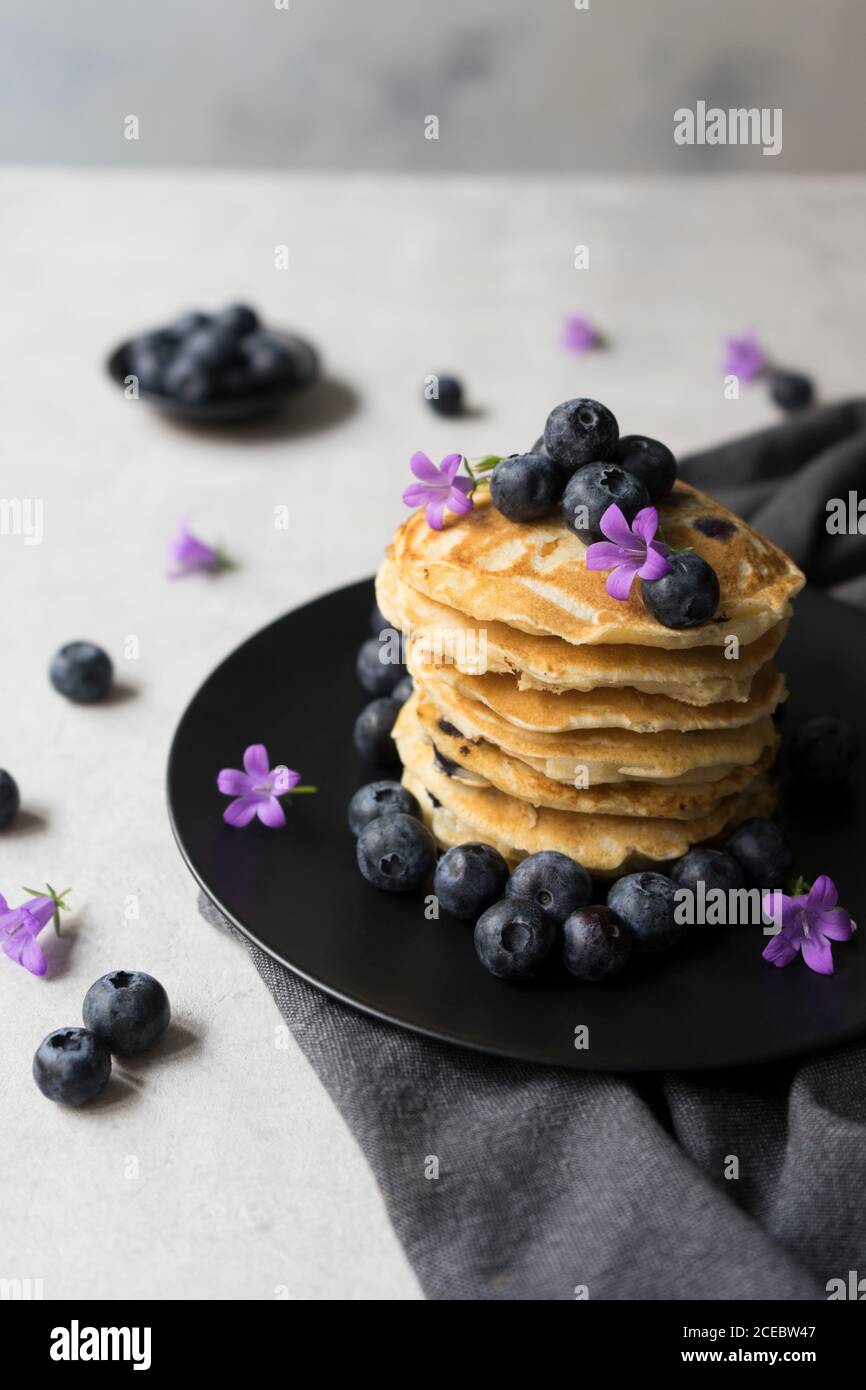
(256, 789)
(809, 922)
(744, 358)
(628, 550)
(579, 334)
(19, 928)
(186, 553)
(438, 488)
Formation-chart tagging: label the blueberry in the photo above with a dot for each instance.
(127, 1010)
(645, 903)
(380, 799)
(823, 752)
(791, 390)
(269, 362)
(403, 689)
(377, 675)
(188, 324)
(372, 732)
(524, 487)
(595, 943)
(538, 447)
(236, 379)
(71, 1065)
(378, 621)
(189, 380)
(396, 853)
(594, 488)
(651, 462)
(238, 320)
(762, 852)
(712, 867)
(685, 597)
(469, 878)
(82, 672)
(211, 346)
(513, 938)
(9, 798)
(149, 365)
(580, 431)
(449, 400)
(558, 884)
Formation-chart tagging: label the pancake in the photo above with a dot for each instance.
(603, 844)
(693, 675)
(483, 764)
(533, 576)
(607, 755)
(542, 711)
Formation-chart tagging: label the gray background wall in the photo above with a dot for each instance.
(339, 84)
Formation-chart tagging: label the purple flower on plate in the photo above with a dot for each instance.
(579, 334)
(628, 550)
(257, 788)
(19, 928)
(744, 357)
(438, 488)
(809, 922)
(187, 553)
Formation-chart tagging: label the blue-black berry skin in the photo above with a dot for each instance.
(395, 853)
(650, 461)
(791, 390)
(188, 324)
(513, 938)
(592, 489)
(762, 852)
(469, 878)
(377, 676)
(82, 672)
(127, 1010)
(595, 943)
(823, 753)
(712, 867)
(10, 799)
(238, 320)
(580, 431)
(525, 487)
(71, 1066)
(403, 689)
(645, 903)
(381, 798)
(685, 597)
(558, 884)
(372, 732)
(449, 401)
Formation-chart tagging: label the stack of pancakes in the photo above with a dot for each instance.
(548, 715)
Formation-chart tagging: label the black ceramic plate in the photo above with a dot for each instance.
(297, 892)
(229, 409)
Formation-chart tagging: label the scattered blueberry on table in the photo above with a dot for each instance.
(791, 390)
(10, 799)
(448, 398)
(71, 1066)
(82, 672)
(127, 1010)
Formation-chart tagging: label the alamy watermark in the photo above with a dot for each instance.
(712, 125)
(24, 517)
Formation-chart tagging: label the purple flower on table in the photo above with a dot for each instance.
(19, 928)
(256, 790)
(628, 550)
(438, 488)
(744, 357)
(808, 923)
(187, 553)
(579, 334)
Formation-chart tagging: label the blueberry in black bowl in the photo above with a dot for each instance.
(823, 753)
(395, 853)
(595, 487)
(645, 903)
(82, 672)
(372, 733)
(595, 943)
(580, 431)
(71, 1066)
(685, 597)
(762, 852)
(558, 884)
(650, 461)
(127, 1010)
(469, 878)
(381, 798)
(525, 487)
(9, 798)
(513, 938)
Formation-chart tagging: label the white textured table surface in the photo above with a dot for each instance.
(219, 1168)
